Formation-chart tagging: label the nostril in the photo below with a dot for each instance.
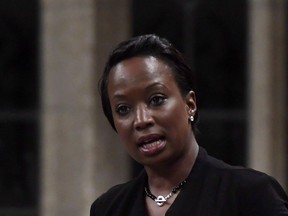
(143, 125)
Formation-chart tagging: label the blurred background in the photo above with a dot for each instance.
(57, 151)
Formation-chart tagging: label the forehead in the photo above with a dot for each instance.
(138, 69)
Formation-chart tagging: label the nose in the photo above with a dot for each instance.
(143, 118)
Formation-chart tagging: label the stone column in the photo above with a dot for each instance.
(80, 154)
(268, 88)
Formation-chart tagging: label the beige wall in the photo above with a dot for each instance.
(81, 157)
(268, 88)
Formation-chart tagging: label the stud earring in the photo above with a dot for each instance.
(191, 118)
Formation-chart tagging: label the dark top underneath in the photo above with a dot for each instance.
(213, 188)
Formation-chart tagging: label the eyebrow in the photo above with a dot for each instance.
(117, 96)
(151, 86)
(156, 84)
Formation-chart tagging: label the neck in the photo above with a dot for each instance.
(162, 179)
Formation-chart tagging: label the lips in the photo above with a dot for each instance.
(151, 144)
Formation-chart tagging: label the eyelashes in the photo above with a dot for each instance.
(122, 109)
(157, 100)
(154, 101)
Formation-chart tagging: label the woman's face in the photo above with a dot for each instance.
(149, 112)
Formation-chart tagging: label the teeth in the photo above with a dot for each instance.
(150, 145)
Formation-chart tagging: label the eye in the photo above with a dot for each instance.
(122, 109)
(157, 100)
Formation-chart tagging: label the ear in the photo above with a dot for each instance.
(190, 100)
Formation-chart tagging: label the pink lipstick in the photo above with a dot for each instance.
(151, 144)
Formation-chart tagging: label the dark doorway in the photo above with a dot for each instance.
(213, 36)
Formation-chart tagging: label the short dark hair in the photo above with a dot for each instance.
(148, 45)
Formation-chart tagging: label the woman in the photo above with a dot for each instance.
(147, 93)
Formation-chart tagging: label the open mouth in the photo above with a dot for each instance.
(151, 144)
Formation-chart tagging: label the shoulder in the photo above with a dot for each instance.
(239, 173)
(261, 193)
(254, 189)
(244, 177)
(115, 197)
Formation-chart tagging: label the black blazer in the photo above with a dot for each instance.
(214, 188)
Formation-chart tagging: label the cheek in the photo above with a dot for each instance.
(175, 121)
(122, 128)
(175, 112)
